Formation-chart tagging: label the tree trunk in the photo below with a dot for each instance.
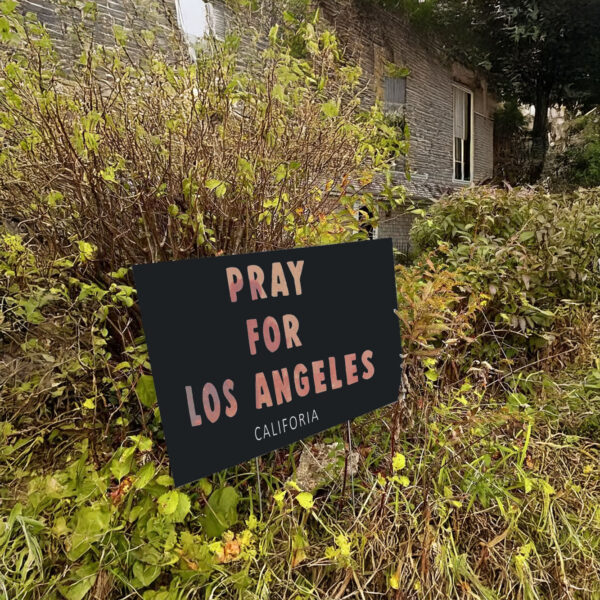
(539, 136)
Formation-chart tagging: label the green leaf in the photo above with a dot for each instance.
(330, 109)
(122, 462)
(91, 523)
(245, 168)
(526, 235)
(431, 374)
(165, 480)
(86, 251)
(89, 404)
(85, 578)
(144, 476)
(273, 34)
(206, 486)
(183, 508)
(7, 7)
(278, 497)
(120, 35)
(145, 574)
(167, 503)
(216, 186)
(280, 173)
(221, 511)
(108, 174)
(145, 391)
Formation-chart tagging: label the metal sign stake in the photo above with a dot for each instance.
(259, 487)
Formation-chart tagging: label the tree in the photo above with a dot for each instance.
(540, 52)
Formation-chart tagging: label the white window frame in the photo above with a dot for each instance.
(472, 140)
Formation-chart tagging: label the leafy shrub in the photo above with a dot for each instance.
(437, 322)
(527, 251)
(135, 158)
(126, 159)
(509, 120)
(512, 144)
(150, 157)
(580, 163)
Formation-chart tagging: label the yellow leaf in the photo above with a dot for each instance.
(398, 462)
(86, 250)
(278, 497)
(305, 500)
(252, 522)
(299, 556)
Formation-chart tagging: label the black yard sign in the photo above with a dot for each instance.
(253, 352)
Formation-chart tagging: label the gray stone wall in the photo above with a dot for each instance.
(62, 18)
(375, 37)
(396, 225)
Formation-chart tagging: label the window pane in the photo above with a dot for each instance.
(467, 159)
(460, 108)
(458, 148)
(394, 93)
(216, 20)
(463, 135)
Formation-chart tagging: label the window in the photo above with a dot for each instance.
(199, 19)
(394, 94)
(463, 135)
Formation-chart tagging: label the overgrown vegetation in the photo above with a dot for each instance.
(532, 254)
(579, 163)
(511, 144)
(146, 158)
(482, 481)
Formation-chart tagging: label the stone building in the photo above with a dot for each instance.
(447, 107)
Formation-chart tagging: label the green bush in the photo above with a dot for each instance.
(150, 157)
(127, 158)
(528, 252)
(580, 164)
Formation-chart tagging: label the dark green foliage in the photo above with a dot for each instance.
(221, 512)
(540, 52)
(511, 144)
(508, 120)
(580, 162)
